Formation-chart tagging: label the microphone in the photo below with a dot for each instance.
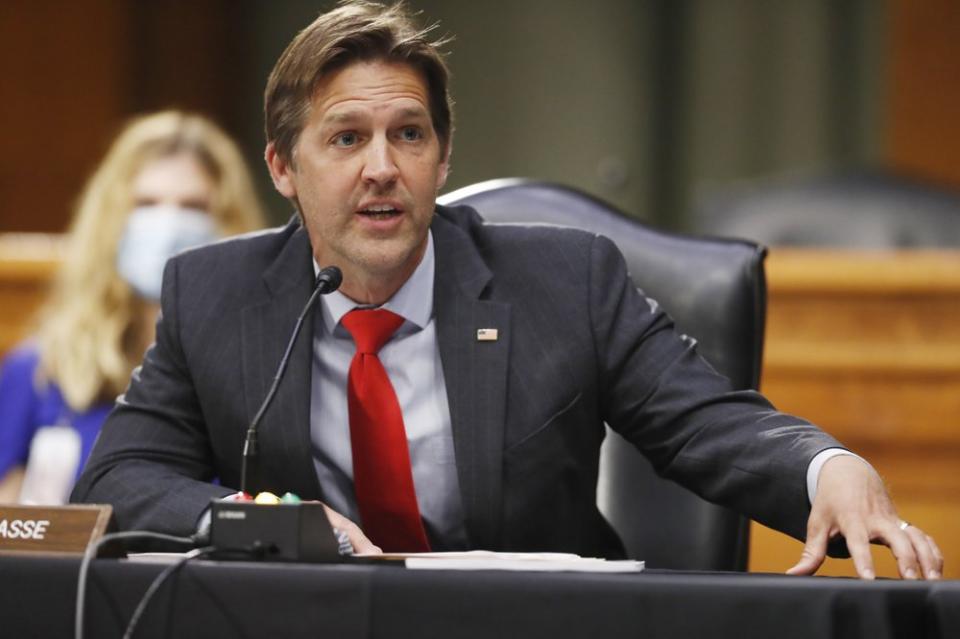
(328, 280)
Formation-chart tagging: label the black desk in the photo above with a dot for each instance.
(213, 599)
(944, 606)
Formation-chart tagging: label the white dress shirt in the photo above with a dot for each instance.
(412, 361)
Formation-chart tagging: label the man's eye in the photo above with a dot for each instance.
(345, 139)
(411, 133)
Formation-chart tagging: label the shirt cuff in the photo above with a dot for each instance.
(816, 465)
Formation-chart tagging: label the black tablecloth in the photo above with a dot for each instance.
(244, 599)
(944, 605)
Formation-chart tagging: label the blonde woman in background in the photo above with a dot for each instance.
(170, 181)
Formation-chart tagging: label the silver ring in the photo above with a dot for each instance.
(344, 547)
(904, 524)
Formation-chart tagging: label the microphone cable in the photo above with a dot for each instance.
(157, 582)
(92, 550)
(327, 281)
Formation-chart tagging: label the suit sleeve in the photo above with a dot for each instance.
(730, 447)
(152, 460)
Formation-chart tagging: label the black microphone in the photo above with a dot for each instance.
(328, 280)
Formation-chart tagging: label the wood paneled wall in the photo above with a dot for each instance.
(64, 73)
(923, 94)
(73, 72)
(867, 345)
(28, 262)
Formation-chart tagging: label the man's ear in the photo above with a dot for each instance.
(444, 166)
(281, 172)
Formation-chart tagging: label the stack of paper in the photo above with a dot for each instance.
(487, 560)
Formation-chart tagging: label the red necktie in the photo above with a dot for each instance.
(382, 479)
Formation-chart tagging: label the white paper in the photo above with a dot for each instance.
(487, 560)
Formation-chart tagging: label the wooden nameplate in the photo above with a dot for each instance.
(53, 530)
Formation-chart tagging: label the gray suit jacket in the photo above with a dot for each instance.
(578, 346)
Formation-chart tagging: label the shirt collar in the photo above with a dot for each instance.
(413, 301)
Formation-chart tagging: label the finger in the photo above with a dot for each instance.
(360, 542)
(936, 553)
(814, 552)
(859, 546)
(929, 564)
(903, 548)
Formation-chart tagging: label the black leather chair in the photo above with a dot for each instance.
(716, 292)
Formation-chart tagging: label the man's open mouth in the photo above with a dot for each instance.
(379, 211)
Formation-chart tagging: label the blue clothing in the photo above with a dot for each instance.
(26, 405)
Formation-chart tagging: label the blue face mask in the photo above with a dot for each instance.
(153, 235)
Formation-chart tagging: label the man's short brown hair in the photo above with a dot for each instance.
(356, 31)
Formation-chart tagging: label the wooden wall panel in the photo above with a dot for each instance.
(28, 262)
(867, 345)
(63, 66)
(192, 55)
(73, 72)
(923, 103)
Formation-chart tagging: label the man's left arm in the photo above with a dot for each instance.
(851, 501)
(733, 447)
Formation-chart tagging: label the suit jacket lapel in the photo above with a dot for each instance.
(476, 376)
(284, 433)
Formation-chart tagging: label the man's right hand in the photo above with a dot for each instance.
(361, 544)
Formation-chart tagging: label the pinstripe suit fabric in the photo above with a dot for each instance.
(577, 346)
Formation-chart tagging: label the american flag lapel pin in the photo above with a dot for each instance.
(486, 334)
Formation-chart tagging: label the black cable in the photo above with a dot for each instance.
(157, 582)
(91, 553)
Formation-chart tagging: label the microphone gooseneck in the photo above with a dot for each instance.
(328, 280)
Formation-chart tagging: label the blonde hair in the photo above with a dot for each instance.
(90, 333)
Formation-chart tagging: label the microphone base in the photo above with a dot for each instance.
(280, 532)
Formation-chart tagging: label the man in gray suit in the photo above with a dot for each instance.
(513, 346)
